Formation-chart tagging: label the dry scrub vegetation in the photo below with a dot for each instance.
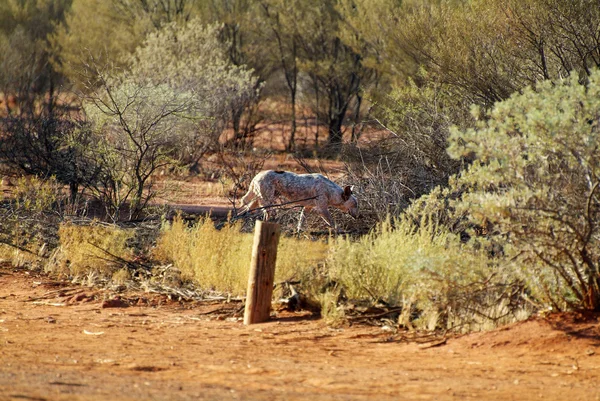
(219, 259)
(469, 129)
(470, 256)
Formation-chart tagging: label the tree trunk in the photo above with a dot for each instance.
(236, 118)
(316, 112)
(292, 143)
(292, 80)
(355, 130)
(335, 132)
(73, 190)
(337, 113)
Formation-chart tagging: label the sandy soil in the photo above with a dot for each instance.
(63, 342)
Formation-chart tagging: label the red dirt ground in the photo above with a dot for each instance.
(58, 342)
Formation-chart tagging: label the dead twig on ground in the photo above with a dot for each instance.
(20, 248)
(374, 316)
(425, 340)
(63, 292)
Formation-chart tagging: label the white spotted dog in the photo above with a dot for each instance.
(312, 191)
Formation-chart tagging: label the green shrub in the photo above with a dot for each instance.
(535, 180)
(427, 270)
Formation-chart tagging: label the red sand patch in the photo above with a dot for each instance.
(57, 342)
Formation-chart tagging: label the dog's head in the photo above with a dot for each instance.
(350, 204)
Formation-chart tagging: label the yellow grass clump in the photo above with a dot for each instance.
(19, 257)
(219, 259)
(25, 221)
(35, 194)
(95, 249)
(427, 270)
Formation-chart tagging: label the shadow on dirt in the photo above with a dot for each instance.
(582, 325)
(294, 317)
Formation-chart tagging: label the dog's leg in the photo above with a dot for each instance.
(268, 214)
(325, 215)
(300, 221)
(249, 202)
(249, 199)
(252, 205)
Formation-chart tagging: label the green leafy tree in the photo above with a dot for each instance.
(95, 31)
(27, 73)
(190, 58)
(368, 28)
(466, 45)
(281, 19)
(235, 17)
(240, 35)
(138, 129)
(109, 31)
(158, 12)
(535, 181)
(171, 103)
(335, 68)
(486, 50)
(554, 38)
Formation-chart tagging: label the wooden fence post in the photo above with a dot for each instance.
(262, 272)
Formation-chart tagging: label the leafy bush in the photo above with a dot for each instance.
(420, 114)
(426, 268)
(190, 58)
(137, 130)
(170, 106)
(48, 144)
(536, 181)
(219, 259)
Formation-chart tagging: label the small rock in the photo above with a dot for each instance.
(115, 303)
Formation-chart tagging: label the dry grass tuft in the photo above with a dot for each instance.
(95, 248)
(29, 219)
(440, 282)
(219, 259)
